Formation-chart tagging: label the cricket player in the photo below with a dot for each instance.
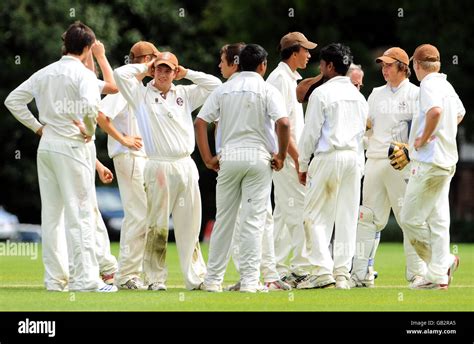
(248, 109)
(391, 110)
(107, 262)
(307, 86)
(65, 91)
(126, 150)
(163, 113)
(335, 124)
(229, 66)
(425, 213)
(289, 234)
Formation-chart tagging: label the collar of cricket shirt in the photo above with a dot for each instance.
(395, 89)
(294, 75)
(151, 84)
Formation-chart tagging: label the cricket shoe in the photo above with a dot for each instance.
(212, 288)
(454, 266)
(277, 285)
(342, 282)
(234, 287)
(293, 279)
(133, 284)
(249, 289)
(157, 286)
(368, 282)
(423, 283)
(106, 288)
(108, 278)
(313, 281)
(415, 281)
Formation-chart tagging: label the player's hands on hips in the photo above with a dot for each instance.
(213, 164)
(82, 128)
(181, 73)
(302, 177)
(98, 49)
(132, 142)
(40, 131)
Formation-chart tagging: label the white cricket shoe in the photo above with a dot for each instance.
(157, 286)
(234, 287)
(313, 281)
(423, 283)
(254, 289)
(368, 282)
(212, 288)
(293, 279)
(133, 284)
(342, 282)
(106, 288)
(416, 280)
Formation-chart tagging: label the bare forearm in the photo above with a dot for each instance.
(106, 125)
(283, 133)
(432, 119)
(107, 74)
(293, 149)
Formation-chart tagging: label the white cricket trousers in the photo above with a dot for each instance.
(129, 170)
(384, 189)
(425, 215)
(332, 198)
(172, 187)
(67, 210)
(267, 265)
(288, 217)
(107, 261)
(246, 181)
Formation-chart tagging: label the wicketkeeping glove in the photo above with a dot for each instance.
(398, 155)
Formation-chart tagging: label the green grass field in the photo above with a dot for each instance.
(21, 289)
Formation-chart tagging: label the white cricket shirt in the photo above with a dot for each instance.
(166, 125)
(391, 112)
(284, 79)
(335, 120)
(247, 108)
(117, 109)
(436, 91)
(64, 91)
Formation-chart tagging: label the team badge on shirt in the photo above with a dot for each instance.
(179, 101)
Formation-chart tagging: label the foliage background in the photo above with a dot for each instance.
(30, 34)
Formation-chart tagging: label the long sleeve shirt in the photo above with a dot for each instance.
(165, 124)
(335, 120)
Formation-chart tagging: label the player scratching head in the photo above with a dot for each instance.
(166, 69)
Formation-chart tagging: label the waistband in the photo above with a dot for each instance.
(168, 159)
(50, 134)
